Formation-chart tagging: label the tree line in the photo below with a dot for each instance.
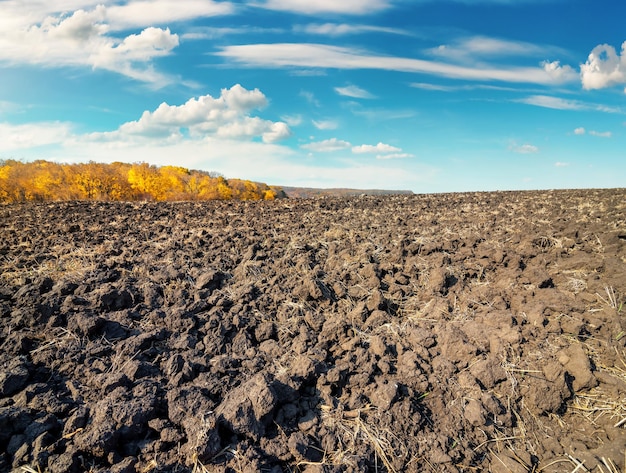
(44, 180)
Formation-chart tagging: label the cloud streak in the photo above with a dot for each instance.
(311, 55)
(524, 149)
(354, 92)
(308, 7)
(557, 103)
(343, 29)
(327, 146)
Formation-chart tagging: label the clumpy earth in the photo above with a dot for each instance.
(439, 333)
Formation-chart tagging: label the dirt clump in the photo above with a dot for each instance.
(445, 333)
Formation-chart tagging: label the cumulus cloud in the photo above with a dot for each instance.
(379, 148)
(83, 39)
(325, 124)
(579, 131)
(382, 151)
(558, 72)
(312, 55)
(354, 92)
(327, 146)
(349, 7)
(605, 67)
(226, 116)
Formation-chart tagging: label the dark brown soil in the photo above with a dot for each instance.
(442, 333)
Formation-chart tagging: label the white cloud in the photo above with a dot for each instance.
(354, 92)
(558, 103)
(310, 97)
(601, 134)
(524, 149)
(470, 48)
(341, 29)
(83, 39)
(225, 117)
(395, 156)
(379, 148)
(32, 135)
(325, 56)
(212, 32)
(604, 67)
(436, 87)
(141, 13)
(558, 72)
(579, 131)
(325, 124)
(350, 7)
(560, 164)
(292, 120)
(327, 146)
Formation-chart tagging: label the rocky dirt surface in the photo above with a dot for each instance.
(439, 333)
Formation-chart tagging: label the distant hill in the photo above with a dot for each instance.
(308, 192)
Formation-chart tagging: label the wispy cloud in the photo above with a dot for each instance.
(310, 97)
(213, 32)
(280, 55)
(140, 13)
(484, 46)
(523, 149)
(325, 124)
(460, 88)
(343, 29)
(579, 131)
(601, 134)
(561, 164)
(379, 114)
(327, 146)
(395, 156)
(292, 120)
(558, 103)
(346, 7)
(354, 92)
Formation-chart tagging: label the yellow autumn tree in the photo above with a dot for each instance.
(146, 181)
(173, 181)
(43, 180)
(224, 191)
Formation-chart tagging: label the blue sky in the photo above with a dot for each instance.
(431, 96)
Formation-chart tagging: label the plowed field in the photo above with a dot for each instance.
(430, 333)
